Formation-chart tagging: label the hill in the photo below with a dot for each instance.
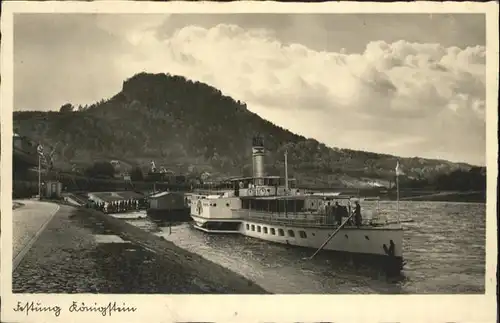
(190, 127)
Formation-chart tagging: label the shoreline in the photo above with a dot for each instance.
(451, 197)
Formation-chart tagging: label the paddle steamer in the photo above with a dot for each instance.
(272, 208)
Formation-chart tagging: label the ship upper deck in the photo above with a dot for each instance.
(371, 220)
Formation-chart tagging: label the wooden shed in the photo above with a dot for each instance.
(168, 206)
(167, 201)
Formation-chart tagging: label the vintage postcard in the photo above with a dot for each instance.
(248, 162)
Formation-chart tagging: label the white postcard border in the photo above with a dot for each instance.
(338, 308)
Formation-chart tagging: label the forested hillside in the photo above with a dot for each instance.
(190, 127)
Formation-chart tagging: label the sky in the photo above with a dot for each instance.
(402, 84)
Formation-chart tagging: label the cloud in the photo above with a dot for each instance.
(409, 90)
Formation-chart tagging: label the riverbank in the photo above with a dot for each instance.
(471, 197)
(86, 251)
(16, 205)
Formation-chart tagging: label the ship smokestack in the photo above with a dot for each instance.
(258, 153)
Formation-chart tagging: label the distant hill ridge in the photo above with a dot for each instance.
(189, 126)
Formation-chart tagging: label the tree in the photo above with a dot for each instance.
(66, 108)
(101, 170)
(136, 174)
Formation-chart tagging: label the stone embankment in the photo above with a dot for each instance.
(85, 251)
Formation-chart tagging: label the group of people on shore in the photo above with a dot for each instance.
(119, 206)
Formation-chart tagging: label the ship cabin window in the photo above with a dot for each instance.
(291, 233)
(253, 227)
(258, 228)
(265, 230)
(248, 226)
(279, 205)
(302, 234)
(240, 183)
(281, 232)
(272, 181)
(273, 232)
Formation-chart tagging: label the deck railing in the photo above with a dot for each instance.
(305, 219)
(213, 192)
(288, 219)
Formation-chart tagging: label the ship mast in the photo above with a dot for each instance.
(286, 172)
(398, 172)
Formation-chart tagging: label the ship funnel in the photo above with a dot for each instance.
(258, 153)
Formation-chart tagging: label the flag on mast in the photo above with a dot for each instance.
(39, 150)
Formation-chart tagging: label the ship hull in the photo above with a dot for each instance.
(382, 245)
(349, 239)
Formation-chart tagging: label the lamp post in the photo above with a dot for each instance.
(286, 171)
(39, 150)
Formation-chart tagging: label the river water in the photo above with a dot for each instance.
(444, 249)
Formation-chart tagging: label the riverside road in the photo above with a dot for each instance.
(59, 248)
(29, 218)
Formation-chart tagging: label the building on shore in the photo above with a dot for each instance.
(170, 206)
(52, 189)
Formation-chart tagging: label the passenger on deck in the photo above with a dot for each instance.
(357, 214)
(322, 207)
(330, 211)
(345, 213)
(338, 213)
(236, 189)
